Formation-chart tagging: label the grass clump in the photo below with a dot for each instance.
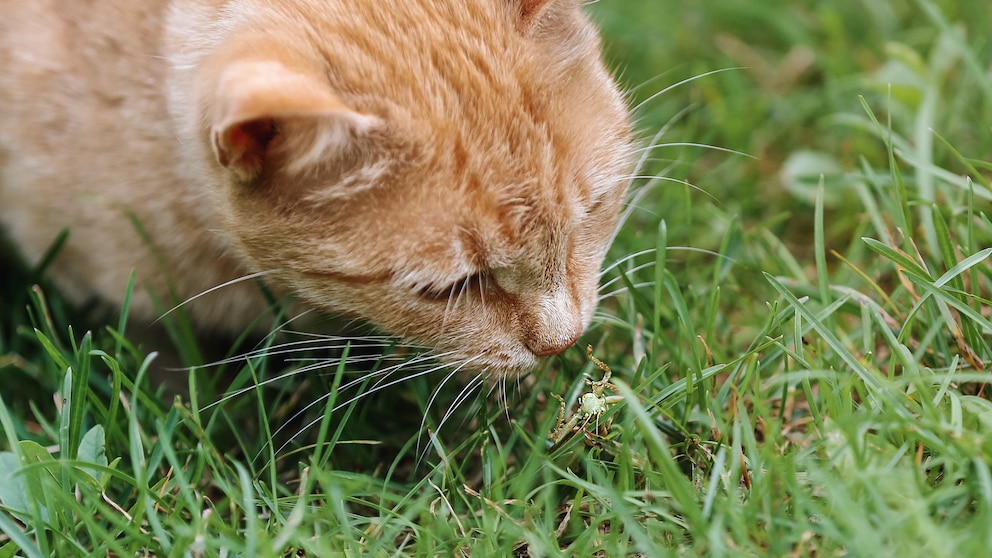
(799, 347)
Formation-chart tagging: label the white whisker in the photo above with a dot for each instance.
(685, 183)
(419, 359)
(378, 387)
(625, 289)
(327, 363)
(212, 289)
(321, 399)
(628, 272)
(506, 399)
(430, 402)
(642, 191)
(348, 402)
(294, 347)
(466, 391)
(652, 147)
(681, 83)
(647, 265)
(448, 307)
(625, 259)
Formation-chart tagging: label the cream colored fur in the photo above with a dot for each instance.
(449, 170)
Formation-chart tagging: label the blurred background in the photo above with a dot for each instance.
(793, 87)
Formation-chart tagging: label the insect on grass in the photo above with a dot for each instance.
(591, 405)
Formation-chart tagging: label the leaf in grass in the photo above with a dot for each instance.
(20, 484)
(13, 492)
(93, 449)
(9, 550)
(897, 258)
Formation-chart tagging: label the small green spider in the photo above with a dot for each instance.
(591, 405)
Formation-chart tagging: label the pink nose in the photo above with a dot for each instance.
(544, 346)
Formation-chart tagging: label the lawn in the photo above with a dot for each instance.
(796, 316)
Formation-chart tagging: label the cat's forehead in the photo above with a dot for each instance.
(458, 59)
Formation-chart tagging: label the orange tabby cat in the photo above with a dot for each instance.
(450, 170)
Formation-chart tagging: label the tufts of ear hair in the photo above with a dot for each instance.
(533, 12)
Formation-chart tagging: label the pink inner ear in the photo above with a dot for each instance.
(241, 146)
(530, 10)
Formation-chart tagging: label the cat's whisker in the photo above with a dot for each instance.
(339, 406)
(241, 279)
(294, 347)
(494, 387)
(639, 193)
(463, 396)
(675, 180)
(385, 373)
(648, 265)
(685, 81)
(279, 328)
(430, 402)
(630, 271)
(505, 397)
(652, 147)
(654, 144)
(461, 292)
(624, 289)
(448, 307)
(624, 260)
(344, 387)
(656, 138)
(238, 392)
(385, 340)
(320, 365)
(286, 423)
(628, 93)
(453, 300)
(319, 362)
(633, 204)
(499, 388)
(319, 335)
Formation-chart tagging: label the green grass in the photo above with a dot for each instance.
(801, 340)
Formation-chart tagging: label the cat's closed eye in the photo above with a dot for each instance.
(449, 292)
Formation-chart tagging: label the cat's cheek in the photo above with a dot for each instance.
(477, 339)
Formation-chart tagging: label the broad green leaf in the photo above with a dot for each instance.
(93, 449)
(13, 492)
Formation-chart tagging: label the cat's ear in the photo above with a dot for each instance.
(531, 12)
(259, 103)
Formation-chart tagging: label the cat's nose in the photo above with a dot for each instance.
(548, 345)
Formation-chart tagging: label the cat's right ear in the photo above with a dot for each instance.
(263, 109)
(531, 12)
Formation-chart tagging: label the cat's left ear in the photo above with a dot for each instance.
(263, 110)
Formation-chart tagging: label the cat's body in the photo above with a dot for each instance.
(450, 170)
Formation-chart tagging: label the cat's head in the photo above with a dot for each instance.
(450, 171)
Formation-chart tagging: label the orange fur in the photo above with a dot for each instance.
(449, 170)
